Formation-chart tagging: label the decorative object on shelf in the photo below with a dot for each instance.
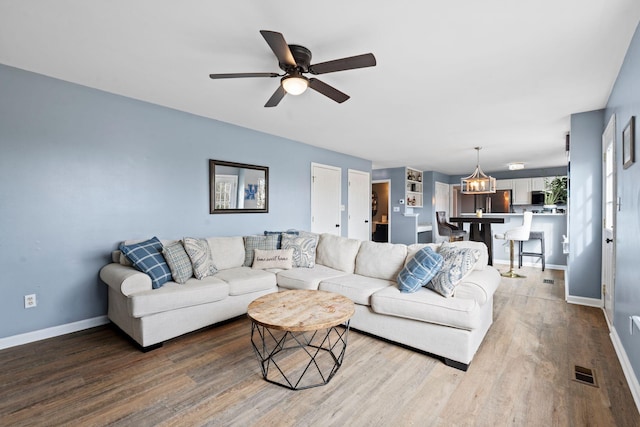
(413, 187)
(628, 143)
(478, 182)
(374, 203)
(555, 191)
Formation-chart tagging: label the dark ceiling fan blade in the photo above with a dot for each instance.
(327, 90)
(279, 47)
(276, 97)
(350, 63)
(240, 75)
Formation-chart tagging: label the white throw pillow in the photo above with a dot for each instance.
(277, 258)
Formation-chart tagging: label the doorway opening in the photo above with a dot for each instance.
(380, 209)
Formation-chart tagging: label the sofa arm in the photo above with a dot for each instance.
(126, 280)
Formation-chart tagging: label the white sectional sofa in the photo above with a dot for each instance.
(452, 328)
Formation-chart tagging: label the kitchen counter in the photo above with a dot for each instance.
(513, 214)
(424, 227)
(554, 227)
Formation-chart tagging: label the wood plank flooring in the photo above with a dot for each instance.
(521, 376)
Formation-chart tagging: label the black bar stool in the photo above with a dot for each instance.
(534, 235)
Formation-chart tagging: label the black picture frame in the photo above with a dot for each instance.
(628, 143)
(246, 195)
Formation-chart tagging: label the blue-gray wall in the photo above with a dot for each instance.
(429, 193)
(403, 228)
(585, 205)
(81, 170)
(624, 102)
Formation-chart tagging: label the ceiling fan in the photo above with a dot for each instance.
(295, 61)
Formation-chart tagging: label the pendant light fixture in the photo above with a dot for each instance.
(478, 182)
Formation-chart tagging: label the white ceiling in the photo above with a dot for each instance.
(501, 74)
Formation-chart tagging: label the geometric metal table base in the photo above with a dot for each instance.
(299, 360)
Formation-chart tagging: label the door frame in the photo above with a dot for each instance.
(609, 274)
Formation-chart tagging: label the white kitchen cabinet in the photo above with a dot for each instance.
(537, 184)
(522, 191)
(504, 184)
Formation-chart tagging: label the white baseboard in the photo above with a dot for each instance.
(52, 332)
(589, 302)
(629, 374)
(530, 264)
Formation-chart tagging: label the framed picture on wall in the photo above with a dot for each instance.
(628, 143)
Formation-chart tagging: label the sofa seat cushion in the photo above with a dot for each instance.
(244, 280)
(355, 287)
(173, 296)
(427, 306)
(306, 278)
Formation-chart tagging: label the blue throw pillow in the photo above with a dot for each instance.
(147, 257)
(419, 270)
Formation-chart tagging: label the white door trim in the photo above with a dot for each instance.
(609, 220)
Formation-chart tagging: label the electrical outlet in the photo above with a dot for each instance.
(396, 208)
(30, 301)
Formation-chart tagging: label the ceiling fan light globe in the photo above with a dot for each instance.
(295, 85)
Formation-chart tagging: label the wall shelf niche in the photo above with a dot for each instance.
(413, 188)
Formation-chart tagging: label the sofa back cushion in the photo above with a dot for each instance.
(337, 252)
(227, 252)
(481, 264)
(380, 260)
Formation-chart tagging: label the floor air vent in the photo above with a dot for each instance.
(584, 376)
(549, 281)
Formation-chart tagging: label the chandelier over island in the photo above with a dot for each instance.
(478, 182)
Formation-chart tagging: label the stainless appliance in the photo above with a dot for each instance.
(537, 197)
(498, 202)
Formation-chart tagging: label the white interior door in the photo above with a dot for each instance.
(326, 196)
(441, 204)
(608, 217)
(442, 197)
(359, 205)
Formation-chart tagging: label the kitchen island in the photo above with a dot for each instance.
(554, 227)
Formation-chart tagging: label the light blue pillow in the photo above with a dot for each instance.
(419, 270)
(147, 257)
(458, 263)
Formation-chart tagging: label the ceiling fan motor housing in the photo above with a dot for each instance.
(301, 55)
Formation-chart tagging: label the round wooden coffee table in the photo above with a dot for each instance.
(297, 336)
